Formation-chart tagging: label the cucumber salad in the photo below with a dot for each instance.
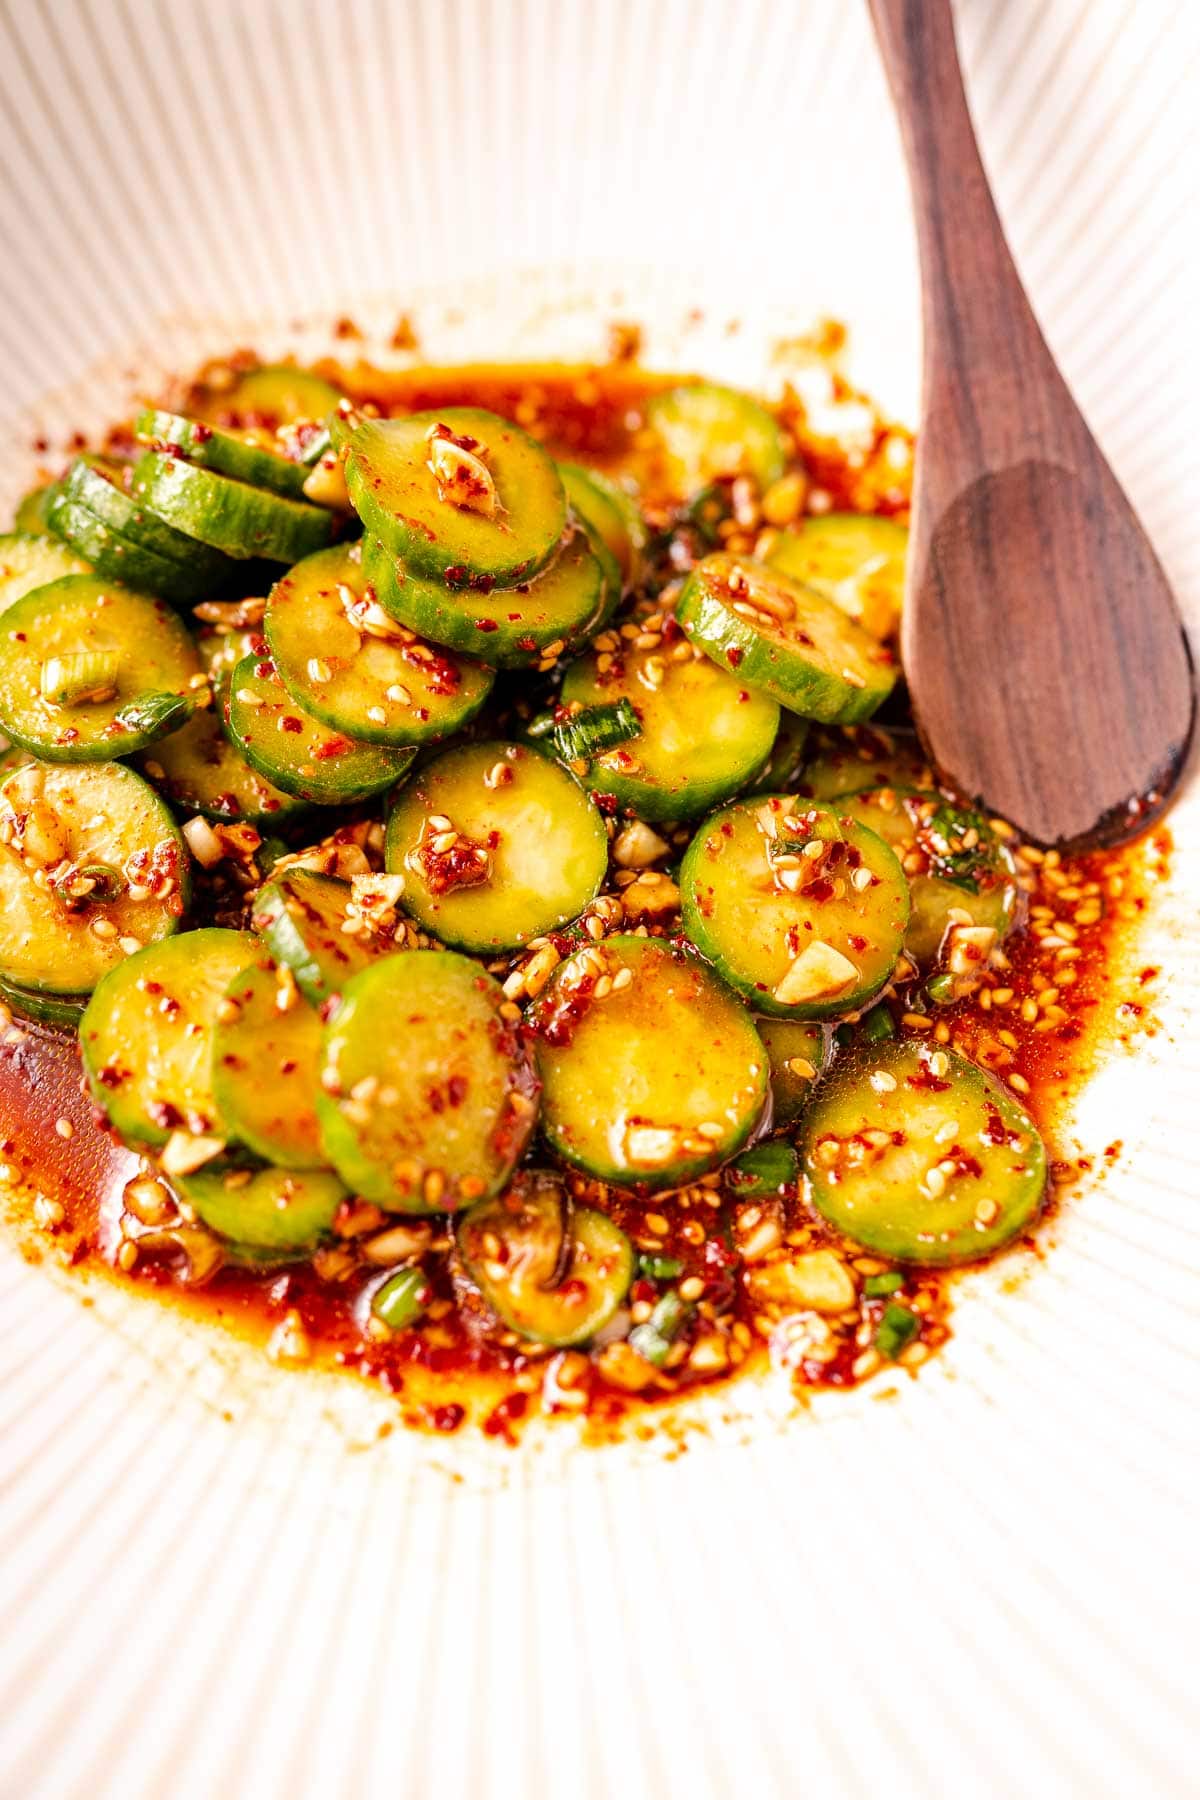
(483, 858)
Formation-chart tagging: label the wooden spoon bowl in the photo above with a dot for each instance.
(1049, 672)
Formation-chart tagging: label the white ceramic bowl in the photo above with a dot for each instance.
(222, 1581)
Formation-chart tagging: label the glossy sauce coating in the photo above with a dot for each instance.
(1034, 1024)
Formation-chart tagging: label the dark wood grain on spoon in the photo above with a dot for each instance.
(1049, 672)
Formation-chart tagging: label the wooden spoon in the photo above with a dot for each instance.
(1050, 676)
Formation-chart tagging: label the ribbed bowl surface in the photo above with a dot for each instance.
(217, 1583)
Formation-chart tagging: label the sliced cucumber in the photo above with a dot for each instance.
(652, 1072)
(146, 1036)
(30, 516)
(919, 1155)
(552, 1272)
(956, 864)
(59, 936)
(28, 562)
(704, 734)
(354, 668)
(297, 753)
(265, 1048)
(850, 758)
(93, 485)
(803, 933)
(200, 769)
(529, 848)
(781, 773)
(210, 448)
(62, 1010)
(227, 515)
(146, 647)
(114, 559)
(856, 560)
(510, 628)
(276, 394)
(300, 915)
(426, 1099)
(274, 1210)
(798, 1054)
(461, 495)
(786, 639)
(610, 512)
(708, 433)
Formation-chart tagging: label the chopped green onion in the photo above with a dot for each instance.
(940, 989)
(594, 729)
(402, 1298)
(653, 1340)
(160, 713)
(875, 1287)
(767, 1169)
(540, 726)
(107, 883)
(897, 1328)
(877, 1025)
(660, 1268)
(75, 679)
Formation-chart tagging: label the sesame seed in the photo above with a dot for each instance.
(64, 1128)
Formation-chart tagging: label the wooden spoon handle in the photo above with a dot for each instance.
(982, 342)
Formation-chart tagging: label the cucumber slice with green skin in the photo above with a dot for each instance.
(399, 498)
(299, 754)
(210, 448)
(300, 915)
(783, 768)
(550, 1290)
(798, 1054)
(93, 485)
(651, 1080)
(951, 882)
(277, 394)
(709, 433)
(856, 560)
(510, 628)
(63, 1010)
(393, 689)
(28, 562)
(230, 516)
(150, 653)
(113, 559)
(264, 1069)
(804, 935)
(704, 734)
(427, 1100)
(530, 849)
(281, 1210)
(788, 640)
(146, 1037)
(200, 769)
(920, 1156)
(611, 513)
(73, 820)
(30, 516)
(850, 759)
